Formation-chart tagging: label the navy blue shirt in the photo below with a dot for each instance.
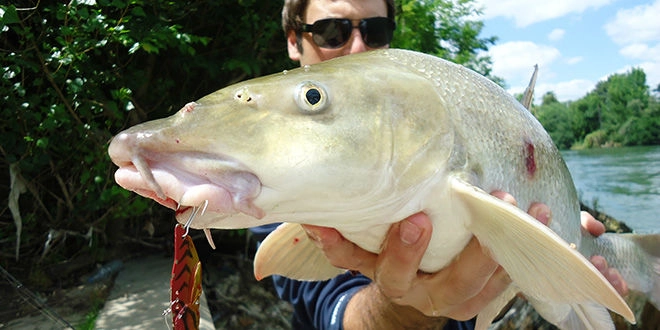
(321, 305)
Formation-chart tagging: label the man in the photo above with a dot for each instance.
(318, 30)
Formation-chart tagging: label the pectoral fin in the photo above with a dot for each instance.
(538, 261)
(289, 252)
(494, 308)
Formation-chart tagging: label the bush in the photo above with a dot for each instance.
(76, 74)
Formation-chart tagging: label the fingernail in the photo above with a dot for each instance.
(545, 217)
(541, 212)
(314, 236)
(600, 263)
(409, 231)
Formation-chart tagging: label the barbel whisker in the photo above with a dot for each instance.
(206, 203)
(209, 238)
(207, 232)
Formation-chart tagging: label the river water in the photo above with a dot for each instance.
(622, 182)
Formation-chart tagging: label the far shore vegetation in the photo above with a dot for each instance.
(620, 111)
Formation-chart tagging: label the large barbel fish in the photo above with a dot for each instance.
(360, 142)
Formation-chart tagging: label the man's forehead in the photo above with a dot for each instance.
(319, 9)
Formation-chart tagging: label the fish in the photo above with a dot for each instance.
(360, 142)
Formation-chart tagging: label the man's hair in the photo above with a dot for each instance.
(293, 11)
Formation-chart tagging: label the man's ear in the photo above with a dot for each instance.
(292, 46)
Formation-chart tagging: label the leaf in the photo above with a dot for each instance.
(138, 11)
(8, 15)
(149, 48)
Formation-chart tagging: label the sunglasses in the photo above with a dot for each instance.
(335, 32)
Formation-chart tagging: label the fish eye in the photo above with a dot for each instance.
(311, 97)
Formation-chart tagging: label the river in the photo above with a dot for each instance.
(622, 182)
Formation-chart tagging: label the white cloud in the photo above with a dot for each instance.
(574, 60)
(564, 90)
(527, 12)
(514, 60)
(556, 34)
(641, 52)
(567, 90)
(635, 25)
(652, 70)
(637, 31)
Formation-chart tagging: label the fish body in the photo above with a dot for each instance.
(360, 142)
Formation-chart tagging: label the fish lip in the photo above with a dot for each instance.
(167, 178)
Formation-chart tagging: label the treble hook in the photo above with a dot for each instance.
(193, 215)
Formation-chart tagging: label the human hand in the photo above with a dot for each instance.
(460, 290)
(596, 228)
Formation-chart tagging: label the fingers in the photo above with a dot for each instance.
(597, 228)
(341, 252)
(470, 272)
(611, 274)
(540, 212)
(505, 197)
(593, 226)
(497, 283)
(402, 253)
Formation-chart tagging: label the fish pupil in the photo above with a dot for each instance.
(313, 96)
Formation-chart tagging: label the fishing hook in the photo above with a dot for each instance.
(193, 214)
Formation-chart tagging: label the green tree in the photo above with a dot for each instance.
(625, 97)
(77, 72)
(619, 111)
(586, 115)
(556, 119)
(549, 98)
(443, 28)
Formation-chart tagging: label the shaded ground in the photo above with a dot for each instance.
(58, 310)
(238, 301)
(235, 298)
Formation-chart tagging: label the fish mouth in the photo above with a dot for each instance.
(183, 180)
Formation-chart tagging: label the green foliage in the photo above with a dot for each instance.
(556, 120)
(620, 111)
(444, 28)
(75, 73)
(594, 139)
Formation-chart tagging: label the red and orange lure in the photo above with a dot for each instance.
(186, 282)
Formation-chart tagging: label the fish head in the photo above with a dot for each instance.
(332, 136)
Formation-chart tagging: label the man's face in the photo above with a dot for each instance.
(320, 9)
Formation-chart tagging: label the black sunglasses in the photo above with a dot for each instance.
(335, 32)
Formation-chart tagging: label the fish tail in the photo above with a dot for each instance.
(637, 258)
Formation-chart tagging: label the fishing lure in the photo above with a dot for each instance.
(186, 282)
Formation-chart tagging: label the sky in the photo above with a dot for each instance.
(576, 43)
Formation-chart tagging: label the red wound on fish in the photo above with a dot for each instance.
(189, 107)
(530, 160)
(296, 240)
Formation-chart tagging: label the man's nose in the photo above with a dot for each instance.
(356, 43)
